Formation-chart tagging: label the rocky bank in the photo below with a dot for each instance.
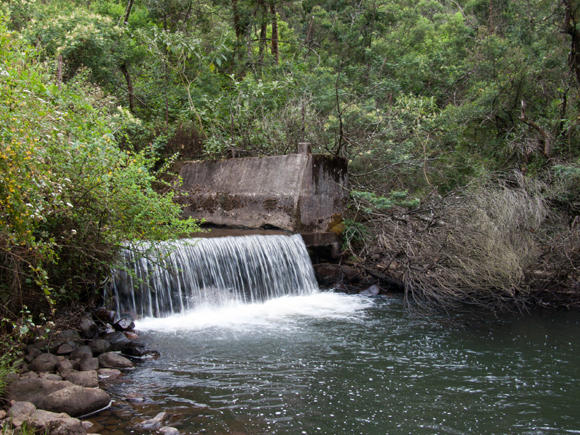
(57, 384)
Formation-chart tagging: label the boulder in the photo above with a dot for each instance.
(88, 328)
(75, 400)
(117, 340)
(168, 430)
(29, 375)
(136, 348)
(32, 353)
(50, 423)
(106, 316)
(81, 353)
(88, 379)
(124, 325)
(99, 346)
(34, 390)
(21, 412)
(66, 348)
(45, 362)
(11, 377)
(88, 364)
(328, 274)
(68, 335)
(64, 366)
(49, 377)
(113, 360)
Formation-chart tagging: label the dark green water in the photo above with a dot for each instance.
(363, 367)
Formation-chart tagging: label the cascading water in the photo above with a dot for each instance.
(212, 271)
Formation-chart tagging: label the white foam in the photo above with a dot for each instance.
(279, 311)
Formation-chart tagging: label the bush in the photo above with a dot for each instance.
(69, 196)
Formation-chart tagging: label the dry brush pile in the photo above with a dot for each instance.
(499, 246)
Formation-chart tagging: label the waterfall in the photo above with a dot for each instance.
(195, 272)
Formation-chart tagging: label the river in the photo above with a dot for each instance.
(331, 363)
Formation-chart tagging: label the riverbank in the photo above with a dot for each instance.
(58, 383)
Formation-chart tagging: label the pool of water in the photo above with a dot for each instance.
(333, 363)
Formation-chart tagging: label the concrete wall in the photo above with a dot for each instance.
(296, 192)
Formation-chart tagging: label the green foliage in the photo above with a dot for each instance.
(69, 196)
(395, 198)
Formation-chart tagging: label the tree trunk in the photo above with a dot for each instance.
(274, 32)
(125, 72)
(263, 31)
(570, 27)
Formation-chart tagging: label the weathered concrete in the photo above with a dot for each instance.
(302, 193)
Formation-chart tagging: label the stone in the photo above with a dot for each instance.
(109, 373)
(328, 274)
(106, 316)
(76, 401)
(33, 352)
(155, 422)
(64, 366)
(81, 353)
(117, 340)
(99, 346)
(373, 290)
(68, 335)
(49, 377)
(88, 379)
(21, 412)
(51, 423)
(66, 348)
(11, 377)
(88, 364)
(29, 375)
(34, 390)
(44, 362)
(124, 325)
(168, 430)
(114, 361)
(88, 328)
(135, 348)
(2, 414)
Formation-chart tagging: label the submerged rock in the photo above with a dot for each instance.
(373, 290)
(167, 430)
(155, 422)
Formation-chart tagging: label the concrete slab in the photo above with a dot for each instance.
(302, 193)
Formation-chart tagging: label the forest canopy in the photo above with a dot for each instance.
(424, 98)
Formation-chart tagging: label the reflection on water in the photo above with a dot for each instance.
(331, 363)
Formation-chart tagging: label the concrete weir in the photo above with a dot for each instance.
(299, 193)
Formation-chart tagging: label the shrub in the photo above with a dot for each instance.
(69, 196)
